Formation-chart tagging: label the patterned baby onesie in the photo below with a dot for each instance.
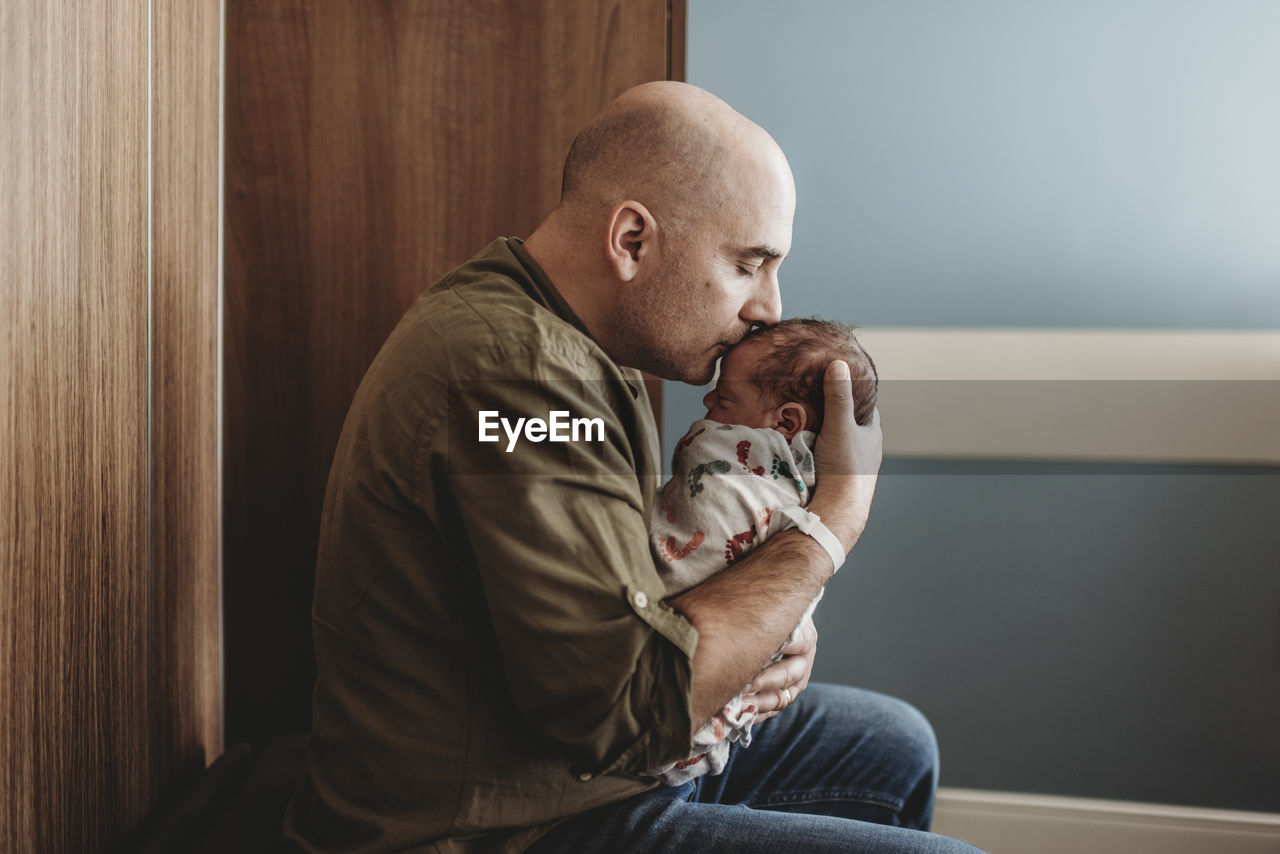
(726, 482)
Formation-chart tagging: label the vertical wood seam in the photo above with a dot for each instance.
(677, 24)
(150, 505)
(220, 642)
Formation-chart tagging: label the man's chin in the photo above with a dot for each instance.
(702, 374)
(692, 375)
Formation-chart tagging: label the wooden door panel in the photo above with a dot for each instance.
(371, 147)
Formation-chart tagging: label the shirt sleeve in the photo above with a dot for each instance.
(593, 657)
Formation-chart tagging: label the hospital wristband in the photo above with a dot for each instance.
(811, 524)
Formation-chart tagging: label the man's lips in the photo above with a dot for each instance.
(729, 345)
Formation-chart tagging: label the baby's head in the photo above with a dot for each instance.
(773, 378)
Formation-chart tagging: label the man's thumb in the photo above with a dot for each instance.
(838, 388)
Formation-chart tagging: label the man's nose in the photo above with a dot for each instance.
(766, 303)
(708, 399)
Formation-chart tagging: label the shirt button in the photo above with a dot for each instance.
(585, 776)
(641, 600)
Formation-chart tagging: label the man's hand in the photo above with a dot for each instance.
(846, 460)
(778, 685)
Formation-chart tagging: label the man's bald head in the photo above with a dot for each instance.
(672, 146)
(675, 214)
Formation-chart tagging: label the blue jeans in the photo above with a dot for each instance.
(841, 770)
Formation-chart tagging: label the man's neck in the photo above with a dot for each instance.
(566, 259)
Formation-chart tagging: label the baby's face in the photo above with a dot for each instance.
(736, 399)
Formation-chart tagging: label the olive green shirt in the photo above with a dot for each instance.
(491, 642)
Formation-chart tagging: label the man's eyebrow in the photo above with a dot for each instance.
(760, 252)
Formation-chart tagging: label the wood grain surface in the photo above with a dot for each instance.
(371, 147)
(185, 654)
(108, 478)
(73, 436)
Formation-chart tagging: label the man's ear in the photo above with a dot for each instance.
(630, 236)
(790, 419)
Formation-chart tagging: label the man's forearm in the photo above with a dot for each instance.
(845, 512)
(746, 612)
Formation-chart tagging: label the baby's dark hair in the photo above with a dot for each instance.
(800, 350)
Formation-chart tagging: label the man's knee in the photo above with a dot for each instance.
(889, 742)
(913, 731)
(899, 726)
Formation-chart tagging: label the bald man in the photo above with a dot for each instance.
(496, 664)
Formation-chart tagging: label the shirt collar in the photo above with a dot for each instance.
(541, 289)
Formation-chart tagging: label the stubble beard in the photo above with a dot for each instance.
(651, 356)
(648, 320)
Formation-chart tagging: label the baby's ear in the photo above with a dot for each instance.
(790, 419)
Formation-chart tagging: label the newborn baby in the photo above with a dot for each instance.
(752, 454)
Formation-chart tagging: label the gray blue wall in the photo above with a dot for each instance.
(1017, 162)
(1095, 630)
